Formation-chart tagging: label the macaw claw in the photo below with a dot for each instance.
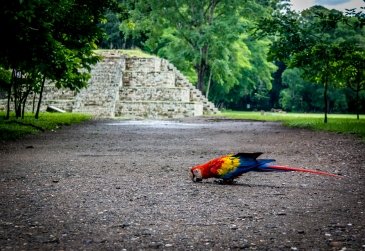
(197, 179)
(225, 182)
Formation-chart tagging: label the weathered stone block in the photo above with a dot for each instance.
(148, 78)
(143, 64)
(155, 94)
(159, 109)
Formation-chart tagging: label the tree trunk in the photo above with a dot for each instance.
(18, 109)
(202, 67)
(40, 98)
(357, 101)
(17, 103)
(33, 103)
(8, 104)
(201, 73)
(24, 101)
(14, 85)
(23, 107)
(325, 98)
(208, 87)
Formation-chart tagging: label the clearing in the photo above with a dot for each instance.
(114, 185)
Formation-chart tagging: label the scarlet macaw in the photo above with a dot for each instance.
(229, 167)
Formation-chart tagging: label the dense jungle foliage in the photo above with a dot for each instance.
(252, 55)
(243, 54)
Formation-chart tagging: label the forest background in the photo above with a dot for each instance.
(252, 55)
(242, 54)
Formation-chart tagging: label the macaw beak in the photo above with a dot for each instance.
(194, 177)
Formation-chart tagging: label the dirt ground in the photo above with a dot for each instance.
(124, 185)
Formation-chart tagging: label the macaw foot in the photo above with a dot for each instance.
(226, 182)
(197, 179)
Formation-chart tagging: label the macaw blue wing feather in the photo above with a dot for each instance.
(235, 165)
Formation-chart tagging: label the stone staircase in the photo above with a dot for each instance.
(195, 94)
(102, 93)
(154, 88)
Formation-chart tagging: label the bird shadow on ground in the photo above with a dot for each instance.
(237, 184)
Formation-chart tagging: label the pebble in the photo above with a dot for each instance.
(336, 244)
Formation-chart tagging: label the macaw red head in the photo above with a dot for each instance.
(204, 171)
(196, 174)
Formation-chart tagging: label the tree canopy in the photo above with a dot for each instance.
(242, 54)
(208, 40)
(236, 51)
(51, 40)
(322, 43)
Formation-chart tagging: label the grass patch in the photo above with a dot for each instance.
(132, 53)
(17, 128)
(339, 123)
(136, 53)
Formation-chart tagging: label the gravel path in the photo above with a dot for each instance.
(124, 185)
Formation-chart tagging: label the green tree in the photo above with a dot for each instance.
(309, 41)
(113, 38)
(292, 98)
(206, 36)
(301, 95)
(53, 40)
(121, 31)
(353, 73)
(254, 79)
(352, 55)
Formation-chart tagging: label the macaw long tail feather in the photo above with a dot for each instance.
(298, 169)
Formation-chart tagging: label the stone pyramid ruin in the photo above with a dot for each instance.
(132, 87)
